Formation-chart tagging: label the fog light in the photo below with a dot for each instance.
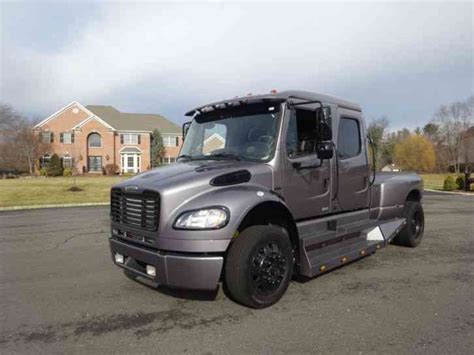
(119, 258)
(151, 270)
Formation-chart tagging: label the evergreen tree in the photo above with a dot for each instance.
(55, 167)
(157, 148)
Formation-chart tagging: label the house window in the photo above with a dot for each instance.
(95, 140)
(130, 138)
(66, 138)
(47, 137)
(44, 161)
(168, 160)
(170, 141)
(67, 162)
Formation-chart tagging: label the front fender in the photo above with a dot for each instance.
(238, 199)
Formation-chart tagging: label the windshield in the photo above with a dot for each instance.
(244, 133)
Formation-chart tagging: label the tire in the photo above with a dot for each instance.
(412, 234)
(259, 266)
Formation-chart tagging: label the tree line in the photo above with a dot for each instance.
(446, 143)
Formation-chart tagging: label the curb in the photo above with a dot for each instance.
(450, 192)
(64, 205)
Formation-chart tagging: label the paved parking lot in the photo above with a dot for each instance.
(60, 292)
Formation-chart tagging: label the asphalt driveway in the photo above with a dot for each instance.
(60, 292)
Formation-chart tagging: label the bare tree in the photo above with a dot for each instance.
(454, 120)
(21, 148)
(377, 131)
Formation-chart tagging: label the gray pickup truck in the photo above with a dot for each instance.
(266, 188)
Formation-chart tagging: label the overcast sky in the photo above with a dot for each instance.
(400, 60)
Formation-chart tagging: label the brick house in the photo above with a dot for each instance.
(88, 138)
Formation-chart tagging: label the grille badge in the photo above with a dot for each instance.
(131, 188)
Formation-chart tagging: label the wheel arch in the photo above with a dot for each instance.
(272, 213)
(414, 195)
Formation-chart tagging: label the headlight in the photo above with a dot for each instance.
(208, 218)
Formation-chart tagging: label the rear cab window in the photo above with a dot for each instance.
(348, 138)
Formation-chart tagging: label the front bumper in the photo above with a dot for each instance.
(173, 270)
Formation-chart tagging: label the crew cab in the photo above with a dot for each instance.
(266, 188)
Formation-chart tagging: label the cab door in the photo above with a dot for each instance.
(352, 184)
(306, 179)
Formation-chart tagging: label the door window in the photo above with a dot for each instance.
(348, 138)
(301, 138)
(95, 163)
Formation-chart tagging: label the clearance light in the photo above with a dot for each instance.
(273, 91)
(343, 259)
(322, 268)
(119, 258)
(151, 270)
(362, 252)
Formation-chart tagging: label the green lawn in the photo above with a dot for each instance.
(434, 181)
(49, 191)
(46, 191)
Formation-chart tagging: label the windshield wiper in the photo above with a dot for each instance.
(225, 155)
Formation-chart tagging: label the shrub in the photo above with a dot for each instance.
(55, 167)
(460, 182)
(111, 169)
(449, 184)
(67, 172)
(43, 172)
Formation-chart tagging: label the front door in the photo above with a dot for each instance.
(95, 163)
(307, 185)
(130, 163)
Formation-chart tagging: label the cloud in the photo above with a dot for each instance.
(200, 52)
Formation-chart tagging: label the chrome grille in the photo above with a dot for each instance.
(138, 210)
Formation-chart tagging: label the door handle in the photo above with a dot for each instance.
(325, 182)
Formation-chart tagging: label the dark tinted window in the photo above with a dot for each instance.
(301, 138)
(348, 141)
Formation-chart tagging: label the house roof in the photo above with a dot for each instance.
(123, 121)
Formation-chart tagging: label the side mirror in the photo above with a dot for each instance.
(323, 116)
(325, 150)
(186, 128)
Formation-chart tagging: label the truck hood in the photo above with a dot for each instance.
(190, 174)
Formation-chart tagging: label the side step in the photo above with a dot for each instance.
(329, 257)
(332, 251)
